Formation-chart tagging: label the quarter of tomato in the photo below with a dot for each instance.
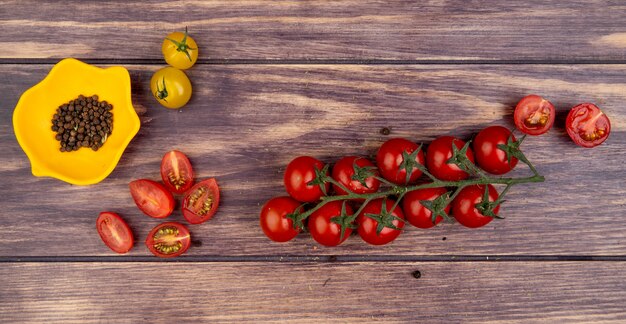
(534, 115)
(488, 156)
(367, 227)
(391, 162)
(322, 228)
(274, 223)
(300, 171)
(416, 213)
(180, 50)
(114, 232)
(176, 172)
(438, 154)
(152, 198)
(200, 203)
(587, 125)
(344, 173)
(168, 240)
(464, 206)
(171, 87)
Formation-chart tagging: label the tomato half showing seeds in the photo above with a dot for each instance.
(323, 230)
(488, 156)
(362, 182)
(299, 172)
(391, 162)
(438, 154)
(200, 203)
(168, 240)
(534, 115)
(587, 125)
(464, 206)
(414, 210)
(274, 222)
(152, 198)
(176, 172)
(114, 232)
(368, 226)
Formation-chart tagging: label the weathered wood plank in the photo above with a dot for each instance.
(492, 292)
(405, 30)
(245, 123)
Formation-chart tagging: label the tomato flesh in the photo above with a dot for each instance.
(534, 115)
(587, 125)
(488, 156)
(152, 198)
(114, 232)
(416, 213)
(464, 206)
(321, 227)
(343, 172)
(390, 160)
(367, 227)
(438, 154)
(176, 172)
(201, 202)
(168, 240)
(299, 172)
(274, 223)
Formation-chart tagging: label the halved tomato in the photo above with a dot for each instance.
(152, 198)
(168, 240)
(114, 232)
(176, 172)
(534, 115)
(587, 125)
(200, 203)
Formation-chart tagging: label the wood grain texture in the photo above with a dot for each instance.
(246, 122)
(500, 292)
(310, 30)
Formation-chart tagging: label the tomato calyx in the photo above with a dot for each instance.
(361, 174)
(321, 178)
(487, 207)
(409, 163)
(161, 94)
(296, 217)
(459, 157)
(182, 46)
(344, 220)
(437, 207)
(385, 218)
(512, 150)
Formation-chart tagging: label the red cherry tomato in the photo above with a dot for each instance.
(300, 171)
(152, 198)
(488, 156)
(168, 240)
(176, 172)
(368, 226)
(391, 163)
(438, 154)
(416, 213)
(114, 232)
(323, 230)
(587, 125)
(534, 115)
(343, 172)
(200, 203)
(274, 223)
(464, 206)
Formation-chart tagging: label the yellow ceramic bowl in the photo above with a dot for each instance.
(34, 111)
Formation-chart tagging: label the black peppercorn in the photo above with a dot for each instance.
(82, 122)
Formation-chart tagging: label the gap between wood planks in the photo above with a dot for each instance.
(317, 259)
(9, 61)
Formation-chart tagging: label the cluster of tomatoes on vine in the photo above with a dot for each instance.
(379, 216)
(170, 239)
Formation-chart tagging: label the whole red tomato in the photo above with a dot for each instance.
(391, 162)
(464, 206)
(488, 156)
(276, 226)
(299, 173)
(368, 226)
(438, 154)
(587, 125)
(364, 182)
(416, 213)
(534, 115)
(323, 230)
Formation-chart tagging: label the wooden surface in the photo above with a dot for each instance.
(280, 79)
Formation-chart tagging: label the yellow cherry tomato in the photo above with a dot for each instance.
(180, 50)
(171, 87)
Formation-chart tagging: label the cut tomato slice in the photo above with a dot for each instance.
(152, 198)
(114, 232)
(200, 203)
(176, 172)
(168, 240)
(587, 125)
(534, 115)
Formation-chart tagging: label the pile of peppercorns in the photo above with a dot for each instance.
(83, 122)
